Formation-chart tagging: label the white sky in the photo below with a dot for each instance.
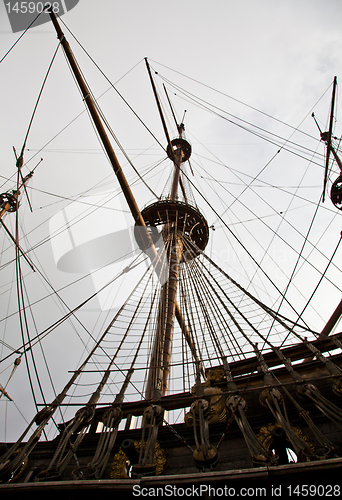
(277, 56)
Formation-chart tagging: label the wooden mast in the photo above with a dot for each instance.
(102, 133)
(138, 218)
(159, 373)
(336, 188)
(327, 137)
(9, 202)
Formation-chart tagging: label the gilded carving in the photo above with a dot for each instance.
(215, 410)
(265, 436)
(337, 387)
(6, 476)
(214, 376)
(121, 462)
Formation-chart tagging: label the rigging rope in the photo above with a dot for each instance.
(29, 26)
(23, 321)
(38, 99)
(320, 280)
(21, 303)
(281, 238)
(237, 100)
(105, 120)
(300, 255)
(237, 239)
(52, 327)
(15, 366)
(314, 246)
(113, 85)
(282, 146)
(101, 114)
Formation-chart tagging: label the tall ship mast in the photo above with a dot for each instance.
(259, 392)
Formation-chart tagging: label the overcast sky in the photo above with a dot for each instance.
(279, 57)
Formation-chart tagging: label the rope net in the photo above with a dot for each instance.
(219, 321)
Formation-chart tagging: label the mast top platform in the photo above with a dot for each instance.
(179, 143)
(182, 216)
